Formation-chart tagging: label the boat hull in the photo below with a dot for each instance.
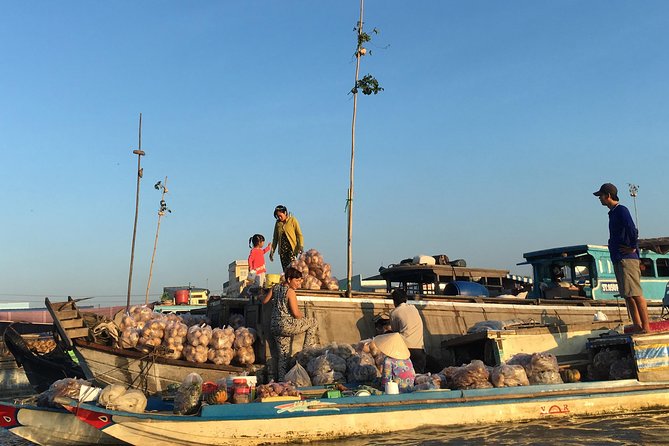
(281, 422)
(51, 427)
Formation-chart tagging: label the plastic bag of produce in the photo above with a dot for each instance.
(66, 388)
(199, 335)
(221, 356)
(244, 337)
(236, 320)
(222, 338)
(509, 376)
(426, 382)
(187, 398)
(132, 400)
(245, 355)
(110, 394)
(601, 364)
(326, 362)
(298, 376)
(129, 337)
(305, 355)
(623, 368)
(471, 376)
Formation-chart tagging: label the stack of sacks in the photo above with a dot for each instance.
(152, 333)
(541, 368)
(244, 339)
(367, 364)
(429, 381)
(316, 273)
(117, 397)
(175, 338)
(474, 375)
(220, 346)
(197, 347)
(326, 369)
(509, 376)
(132, 324)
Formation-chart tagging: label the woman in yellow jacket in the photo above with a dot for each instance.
(287, 237)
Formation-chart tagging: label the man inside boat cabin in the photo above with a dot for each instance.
(405, 320)
(624, 250)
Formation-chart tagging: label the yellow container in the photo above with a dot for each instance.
(272, 279)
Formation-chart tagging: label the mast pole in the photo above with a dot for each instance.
(139, 154)
(634, 191)
(349, 262)
(161, 212)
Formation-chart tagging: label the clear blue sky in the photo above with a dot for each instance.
(498, 121)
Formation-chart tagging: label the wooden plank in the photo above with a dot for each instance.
(72, 323)
(77, 332)
(66, 314)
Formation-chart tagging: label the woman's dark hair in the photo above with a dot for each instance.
(293, 273)
(280, 208)
(255, 240)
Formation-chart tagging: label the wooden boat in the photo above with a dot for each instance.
(50, 427)
(318, 419)
(40, 369)
(148, 371)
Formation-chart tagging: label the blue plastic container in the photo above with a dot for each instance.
(465, 288)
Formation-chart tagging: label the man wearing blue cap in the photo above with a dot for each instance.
(624, 250)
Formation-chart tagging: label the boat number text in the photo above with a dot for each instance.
(610, 287)
(554, 410)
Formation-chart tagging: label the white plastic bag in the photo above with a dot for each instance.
(298, 376)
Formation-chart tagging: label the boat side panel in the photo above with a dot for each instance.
(361, 421)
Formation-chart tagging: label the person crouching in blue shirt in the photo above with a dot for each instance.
(624, 250)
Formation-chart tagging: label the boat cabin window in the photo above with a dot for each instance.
(647, 268)
(662, 267)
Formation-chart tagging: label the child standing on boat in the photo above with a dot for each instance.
(257, 258)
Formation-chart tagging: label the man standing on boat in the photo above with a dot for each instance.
(405, 320)
(624, 250)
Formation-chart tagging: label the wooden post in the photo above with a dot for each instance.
(139, 154)
(161, 212)
(349, 257)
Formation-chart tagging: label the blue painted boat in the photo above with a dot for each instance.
(589, 271)
(317, 419)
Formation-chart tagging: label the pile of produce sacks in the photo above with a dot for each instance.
(66, 387)
(610, 363)
(118, 397)
(316, 273)
(177, 337)
(174, 339)
(541, 368)
(197, 345)
(341, 363)
(244, 339)
(220, 346)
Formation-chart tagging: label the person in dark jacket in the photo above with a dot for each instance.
(624, 250)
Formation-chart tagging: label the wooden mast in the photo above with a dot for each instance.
(139, 154)
(161, 212)
(349, 202)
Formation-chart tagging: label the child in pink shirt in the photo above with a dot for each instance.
(257, 258)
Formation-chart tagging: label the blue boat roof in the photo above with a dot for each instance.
(569, 250)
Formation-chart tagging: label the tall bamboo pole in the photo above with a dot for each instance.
(161, 212)
(349, 262)
(139, 154)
